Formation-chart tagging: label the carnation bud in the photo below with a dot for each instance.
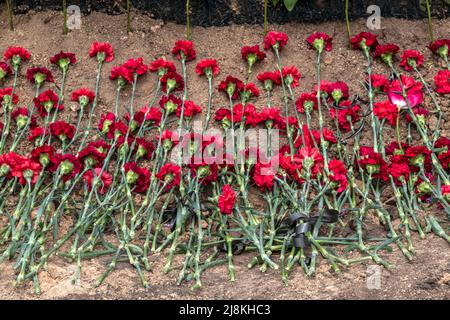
(90, 162)
(308, 106)
(44, 159)
(268, 85)
(167, 144)
(203, 171)
(4, 170)
(412, 63)
(48, 106)
(308, 163)
(443, 52)
(162, 72)
(421, 120)
(387, 58)
(131, 177)
(21, 121)
(337, 95)
(141, 151)
(16, 60)
(2, 74)
(288, 80)
(106, 125)
(62, 137)
(64, 64)
(230, 89)
(171, 85)
(83, 101)
(417, 160)
(269, 124)
(319, 44)
(123, 151)
(133, 125)
(251, 59)
(39, 78)
(226, 123)
(168, 178)
(101, 56)
(66, 167)
(28, 174)
(425, 187)
(373, 168)
(170, 107)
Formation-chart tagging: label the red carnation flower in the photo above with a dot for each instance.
(5, 96)
(386, 110)
(16, 55)
(190, 109)
(24, 169)
(413, 91)
(207, 67)
(137, 66)
(102, 51)
(338, 175)
(441, 47)
(184, 49)
(170, 103)
(94, 153)
(162, 66)
(311, 159)
(138, 178)
(419, 112)
(169, 139)
(276, 40)
(320, 41)
(290, 76)
(337, 91)
(386, 52)
(364, 40)
(263, 175)
(250, 91)
(239, 112)
(270, 117)
(328, 136)
(4, 70)
(69, 166)
(442, 82)
(205, 172)
(232, 87)
(62, 130)
(143, 148)
(411, 59)
(83, 96)
(63, 60)
(116, 130)
(106, 120)
(20, 116)
(169, 174)
(346, 116)
(269, 79)
(152, 114)
(417, 155)
(47, 102)
(306, 102)
(6, 164)
(373, 163)
(103, 183)
(35, 133)
(171, 82)
(46, 156)
(227, 200)
(379, 83)
(399, 171)
(122, 74)
(252, 54)
(39, 75)
(394, 149)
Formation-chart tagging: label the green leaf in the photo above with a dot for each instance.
(423, 5)
(275, 2)
(290, 4)
(447, 2)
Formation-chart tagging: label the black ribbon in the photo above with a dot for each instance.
(307, 223)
